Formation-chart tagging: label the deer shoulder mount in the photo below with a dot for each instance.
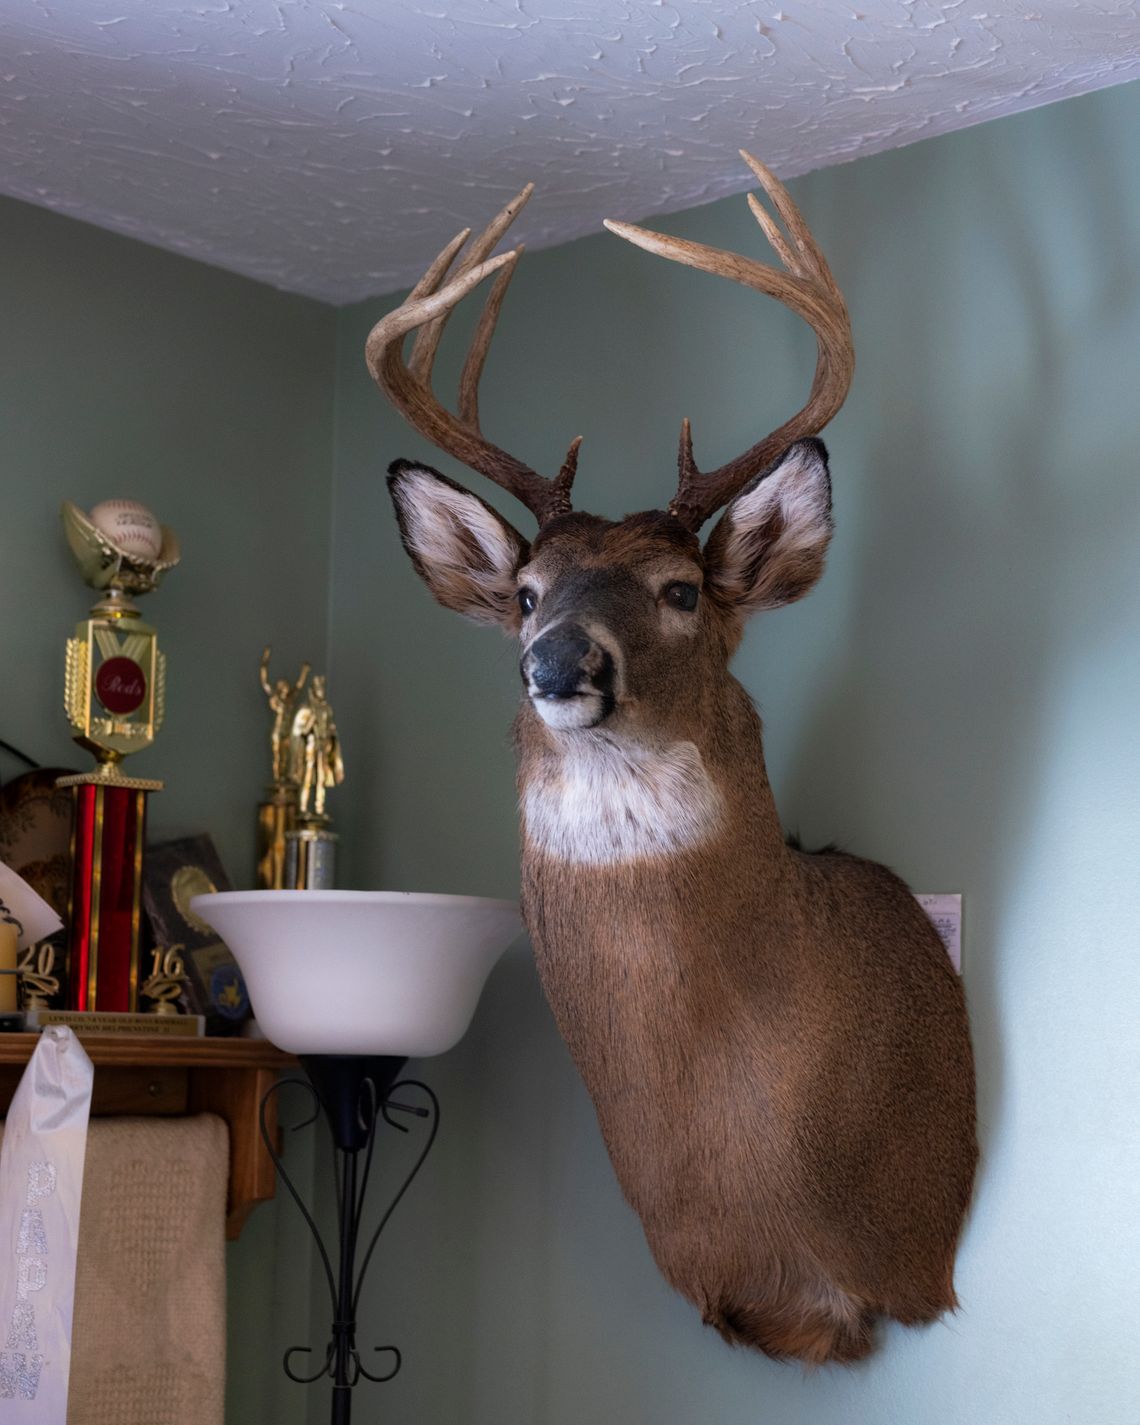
(774, 1041)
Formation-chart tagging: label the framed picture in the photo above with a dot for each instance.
(35, 833)
(174, 872)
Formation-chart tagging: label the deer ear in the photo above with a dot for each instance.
(769, 546)
(463, 550)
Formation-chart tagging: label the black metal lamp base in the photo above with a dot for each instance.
(354, 1092)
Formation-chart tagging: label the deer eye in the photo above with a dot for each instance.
(528, 600)
(682, 596)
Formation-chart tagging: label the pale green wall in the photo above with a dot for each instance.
(130, 372)
(958, 699)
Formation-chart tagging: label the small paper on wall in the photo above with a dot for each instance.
(41, 1187)
(945, 914)
(20, 906)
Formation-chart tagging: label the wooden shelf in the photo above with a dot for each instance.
(159, 1074)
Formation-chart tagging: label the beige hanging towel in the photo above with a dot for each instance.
(149, 1335)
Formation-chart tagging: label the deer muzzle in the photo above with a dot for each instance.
(569, 677)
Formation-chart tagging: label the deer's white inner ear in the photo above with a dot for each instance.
(800, 487)
(769, 547)
(437, 514)
(466, 553)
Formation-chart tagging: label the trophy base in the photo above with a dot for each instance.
(310, 856)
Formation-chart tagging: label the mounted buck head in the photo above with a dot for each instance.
(616, 619)
(774, 1042)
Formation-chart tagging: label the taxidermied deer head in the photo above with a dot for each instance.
(774, 1041)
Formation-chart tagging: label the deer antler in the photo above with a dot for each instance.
(426, 311)
(808, 288)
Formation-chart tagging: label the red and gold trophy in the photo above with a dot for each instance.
(116, 681)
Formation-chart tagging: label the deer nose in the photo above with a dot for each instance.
(565, 662)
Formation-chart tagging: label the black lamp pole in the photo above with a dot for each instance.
(354, 1092)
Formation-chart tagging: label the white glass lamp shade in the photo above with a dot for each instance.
(362, 972)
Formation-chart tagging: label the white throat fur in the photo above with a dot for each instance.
(605, 801)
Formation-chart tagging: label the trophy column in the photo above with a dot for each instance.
(276, 816)
(115, 697)
(107, 840)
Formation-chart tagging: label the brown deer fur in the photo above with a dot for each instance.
(775, 1042)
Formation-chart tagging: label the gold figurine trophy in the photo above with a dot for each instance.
(310, 848)
(296, 845)
(115, 692)
(277, 814)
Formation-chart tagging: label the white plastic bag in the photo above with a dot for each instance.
(41, 1186)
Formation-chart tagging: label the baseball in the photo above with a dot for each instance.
(129, 526)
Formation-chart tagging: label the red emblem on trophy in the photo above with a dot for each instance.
(120, 685)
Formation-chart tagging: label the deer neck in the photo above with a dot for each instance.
(645, 804)
(628, 920)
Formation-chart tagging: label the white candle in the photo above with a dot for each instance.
(9, 939)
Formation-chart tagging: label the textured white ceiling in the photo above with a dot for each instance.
(332, 148)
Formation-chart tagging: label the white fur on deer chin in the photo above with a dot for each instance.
(607, 801)
(566, 714)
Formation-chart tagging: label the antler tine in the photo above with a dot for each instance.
(811, 258)
(481, 343)
(438, 270)
(426, 310)
(772, 232)
(427, 339)
(805, 285)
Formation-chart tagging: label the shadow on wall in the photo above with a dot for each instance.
(981, 512)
